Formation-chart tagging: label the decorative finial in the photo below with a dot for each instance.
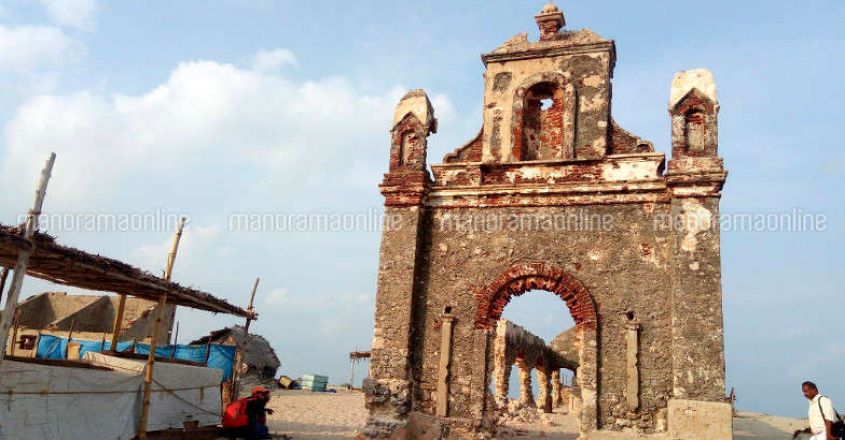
(550, 20)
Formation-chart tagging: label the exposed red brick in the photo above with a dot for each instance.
(522, 277)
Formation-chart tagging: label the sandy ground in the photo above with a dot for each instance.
(305, 415)
(311, 416)
(557, 427)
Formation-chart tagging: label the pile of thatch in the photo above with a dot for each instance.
(258, 354)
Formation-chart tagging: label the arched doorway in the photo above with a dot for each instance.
(542, 314)
(519, 279)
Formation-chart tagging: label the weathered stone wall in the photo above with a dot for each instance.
(559, 199)
(625, 269)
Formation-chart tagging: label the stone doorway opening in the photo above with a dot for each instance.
(534, 382)
(514, 347)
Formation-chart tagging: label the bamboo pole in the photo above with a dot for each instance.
(3, 275)
(70, 331)
(103, 343)
(118, 323)
(69, 336)
(35, 347)
(236, 368)
(162, 302)
(23, 257)
(15, 331)
(175, 342)
(176, 338)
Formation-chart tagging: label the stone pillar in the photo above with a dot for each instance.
(632, 390)
(695, 177)
(556, 388)
(544, 402)
(443, 369)
(585, 384)
(526, 393)
(389, 389)
(501, 370)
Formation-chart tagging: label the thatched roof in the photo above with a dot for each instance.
(358, 355)
(258, 353)
(68, 266)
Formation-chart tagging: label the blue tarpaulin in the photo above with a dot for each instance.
(219, 356)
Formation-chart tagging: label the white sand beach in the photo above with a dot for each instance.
(311, 416)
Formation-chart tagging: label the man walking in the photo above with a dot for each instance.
(820, 412)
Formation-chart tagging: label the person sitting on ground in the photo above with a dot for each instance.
(256, 411)
(247, 417)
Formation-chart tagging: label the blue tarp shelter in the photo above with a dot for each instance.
(219, 356)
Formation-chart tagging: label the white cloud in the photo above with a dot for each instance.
(195, 245)
(206, 113)
(77, 14)
(27, 48)
(272, 60)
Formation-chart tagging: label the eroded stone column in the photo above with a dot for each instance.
(503, 374)
(556, 388)
(544, 402)
(526, 393)
(501, 364)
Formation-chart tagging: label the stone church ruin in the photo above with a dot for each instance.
(554, 195)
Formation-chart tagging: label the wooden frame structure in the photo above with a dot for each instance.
(29, 252)
(60, 264)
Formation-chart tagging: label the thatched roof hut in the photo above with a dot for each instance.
(259, 356)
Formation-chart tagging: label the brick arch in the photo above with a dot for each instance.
(522, 277)
(557, 81)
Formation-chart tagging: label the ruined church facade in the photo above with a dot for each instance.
(552, 194)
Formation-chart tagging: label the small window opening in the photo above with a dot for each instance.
(26, 342)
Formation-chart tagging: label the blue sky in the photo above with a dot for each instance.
(218, 107)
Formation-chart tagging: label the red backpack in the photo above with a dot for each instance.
(235, 414)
